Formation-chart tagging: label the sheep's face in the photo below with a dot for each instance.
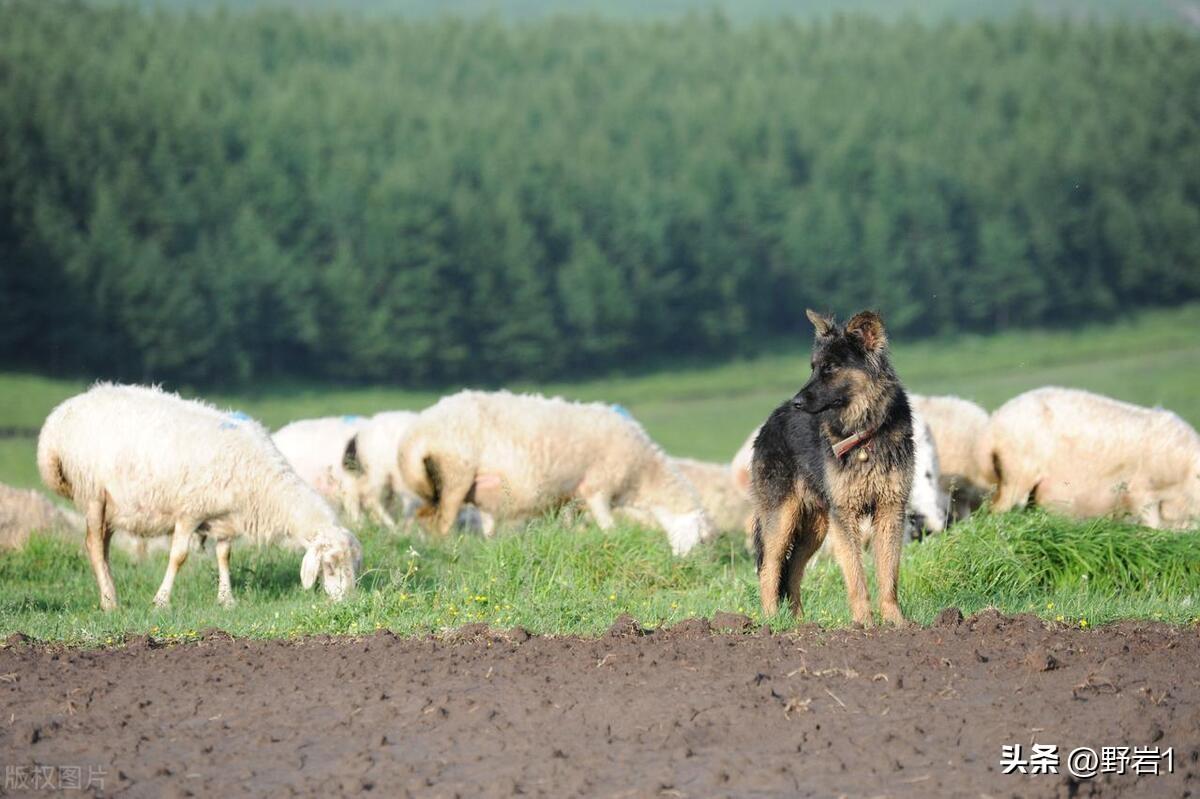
(927, 503)
(684, 530)
(1180, 505)
(336, 556)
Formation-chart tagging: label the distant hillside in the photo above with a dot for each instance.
(1185, 12)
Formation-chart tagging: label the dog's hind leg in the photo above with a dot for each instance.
(888, 543)
(809, 537)
(847, 548)
(776, 526)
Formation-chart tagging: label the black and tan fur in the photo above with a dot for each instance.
(803, 492)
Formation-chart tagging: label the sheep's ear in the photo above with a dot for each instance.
(309, 568)
(823, 324)
(868, 326)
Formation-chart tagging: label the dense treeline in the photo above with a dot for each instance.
(225, 196)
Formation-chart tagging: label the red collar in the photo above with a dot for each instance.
(846, 445)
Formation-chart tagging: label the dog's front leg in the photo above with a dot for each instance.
(889, 540)
(847, 548)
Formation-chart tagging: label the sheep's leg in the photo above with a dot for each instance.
(888, 543)
(378, 513)
(454, 492)
(352, 505)
(98, 535)
(181, 539)
(847, 548)
(1013, 489)
(224, 586)
(599, 505)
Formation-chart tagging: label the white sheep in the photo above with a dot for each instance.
(740, 465)
(725, 503)
(25, 511)
(148, 462)
(372, 457)
(958, 425)
(928, 501)
(1086, 455)
(316, 449)
(515, 456)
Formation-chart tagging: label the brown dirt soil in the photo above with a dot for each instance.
(692, 711)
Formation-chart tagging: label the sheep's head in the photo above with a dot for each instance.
(336, 556)
(1179, 505)
(685, 530)
(928, 505)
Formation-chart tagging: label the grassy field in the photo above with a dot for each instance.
(554, 579)
(557, 579)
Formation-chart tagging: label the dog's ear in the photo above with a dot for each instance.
(823, 324)
(868, 326)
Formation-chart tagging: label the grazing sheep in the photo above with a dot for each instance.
(23, 512)
(518, 455)
(1086, 455)
(928, 502)
(148, 462)
(315, 448)
(372, 457)
(958, 425)
(725, 503)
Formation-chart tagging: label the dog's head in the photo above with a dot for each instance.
(847, 360)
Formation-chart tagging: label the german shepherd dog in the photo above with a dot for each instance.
(836, 461)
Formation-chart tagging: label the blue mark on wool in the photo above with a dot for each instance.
(621, 409)
(351, 418)
(233, 419)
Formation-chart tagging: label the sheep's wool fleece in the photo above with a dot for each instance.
(547, 450)
(162, 458)
(958, 425)
(315, 448)
(25, 511)
(378, 447)
(724, 502)
(1089, 455)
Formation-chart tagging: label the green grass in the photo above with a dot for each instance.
(555, 579)
(551, 579)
